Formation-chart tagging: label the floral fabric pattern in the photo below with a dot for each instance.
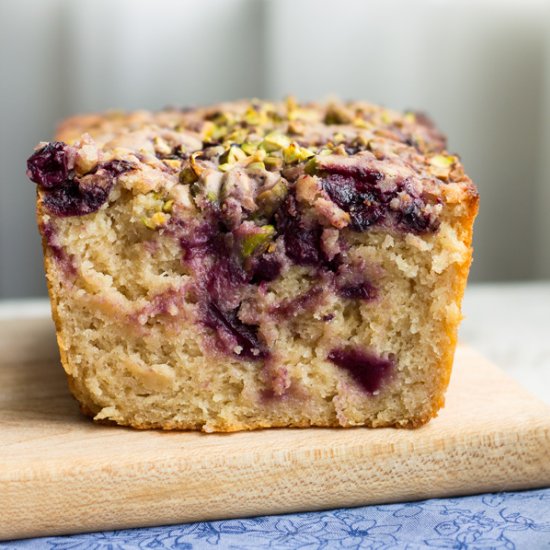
(494, 521)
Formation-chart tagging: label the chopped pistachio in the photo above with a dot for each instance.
(442, 161)
(222, 118)
(270, 199)
(225, 167)
(410, 117)
(157, 220)
(360, 122)
(259, 155)
(273, 163)
(362, 140)
(249, 148)
(218, 133)
(340, 150)
(257, 241)
(197, 168)
(274, 142)
(255, 118)
(213, 130)
(207, 130)
(188, 176)
(168, 205)
(232, 155)
(296, 153)
(440, 165)
(172, 163)
(311, 167)
(236, 136)
(256, 165)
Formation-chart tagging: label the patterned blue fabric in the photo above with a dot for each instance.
(493, 521)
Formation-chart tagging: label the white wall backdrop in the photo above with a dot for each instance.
(480, 68)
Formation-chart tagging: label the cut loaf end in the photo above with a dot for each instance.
(255, 264)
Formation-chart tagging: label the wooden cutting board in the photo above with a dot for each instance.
(60, 473)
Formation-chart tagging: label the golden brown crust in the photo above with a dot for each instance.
(459, 286)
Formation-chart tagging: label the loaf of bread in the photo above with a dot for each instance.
(255, 264)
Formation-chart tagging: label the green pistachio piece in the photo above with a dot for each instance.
(255, 117)
(257, 241)
(295, 153)
(168, 205)
(274, 142)
(259, 156)
(269, 200)
(188, 176)
(197, 168)
(232, 155)
(256, 165)
(360, 122)
(340, 150)
(175, 164)
(442, 161)
(222, 118)
(441, 165)
(249, 148)
(311, 168)
(158, 219)
(273, 163)
(236, 136)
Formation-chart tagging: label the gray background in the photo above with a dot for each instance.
(481, 69)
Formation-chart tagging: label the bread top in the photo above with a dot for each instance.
(349, 165)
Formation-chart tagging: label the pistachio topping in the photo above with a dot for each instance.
(153, 209)
(295, 153)
(368, 165)
(232, 155)
(270, 199)
(441, 165)
(274, 142)
(257, 241)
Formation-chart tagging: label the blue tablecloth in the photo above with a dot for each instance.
(502, 520)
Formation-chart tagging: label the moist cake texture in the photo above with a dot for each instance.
(255, 264)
